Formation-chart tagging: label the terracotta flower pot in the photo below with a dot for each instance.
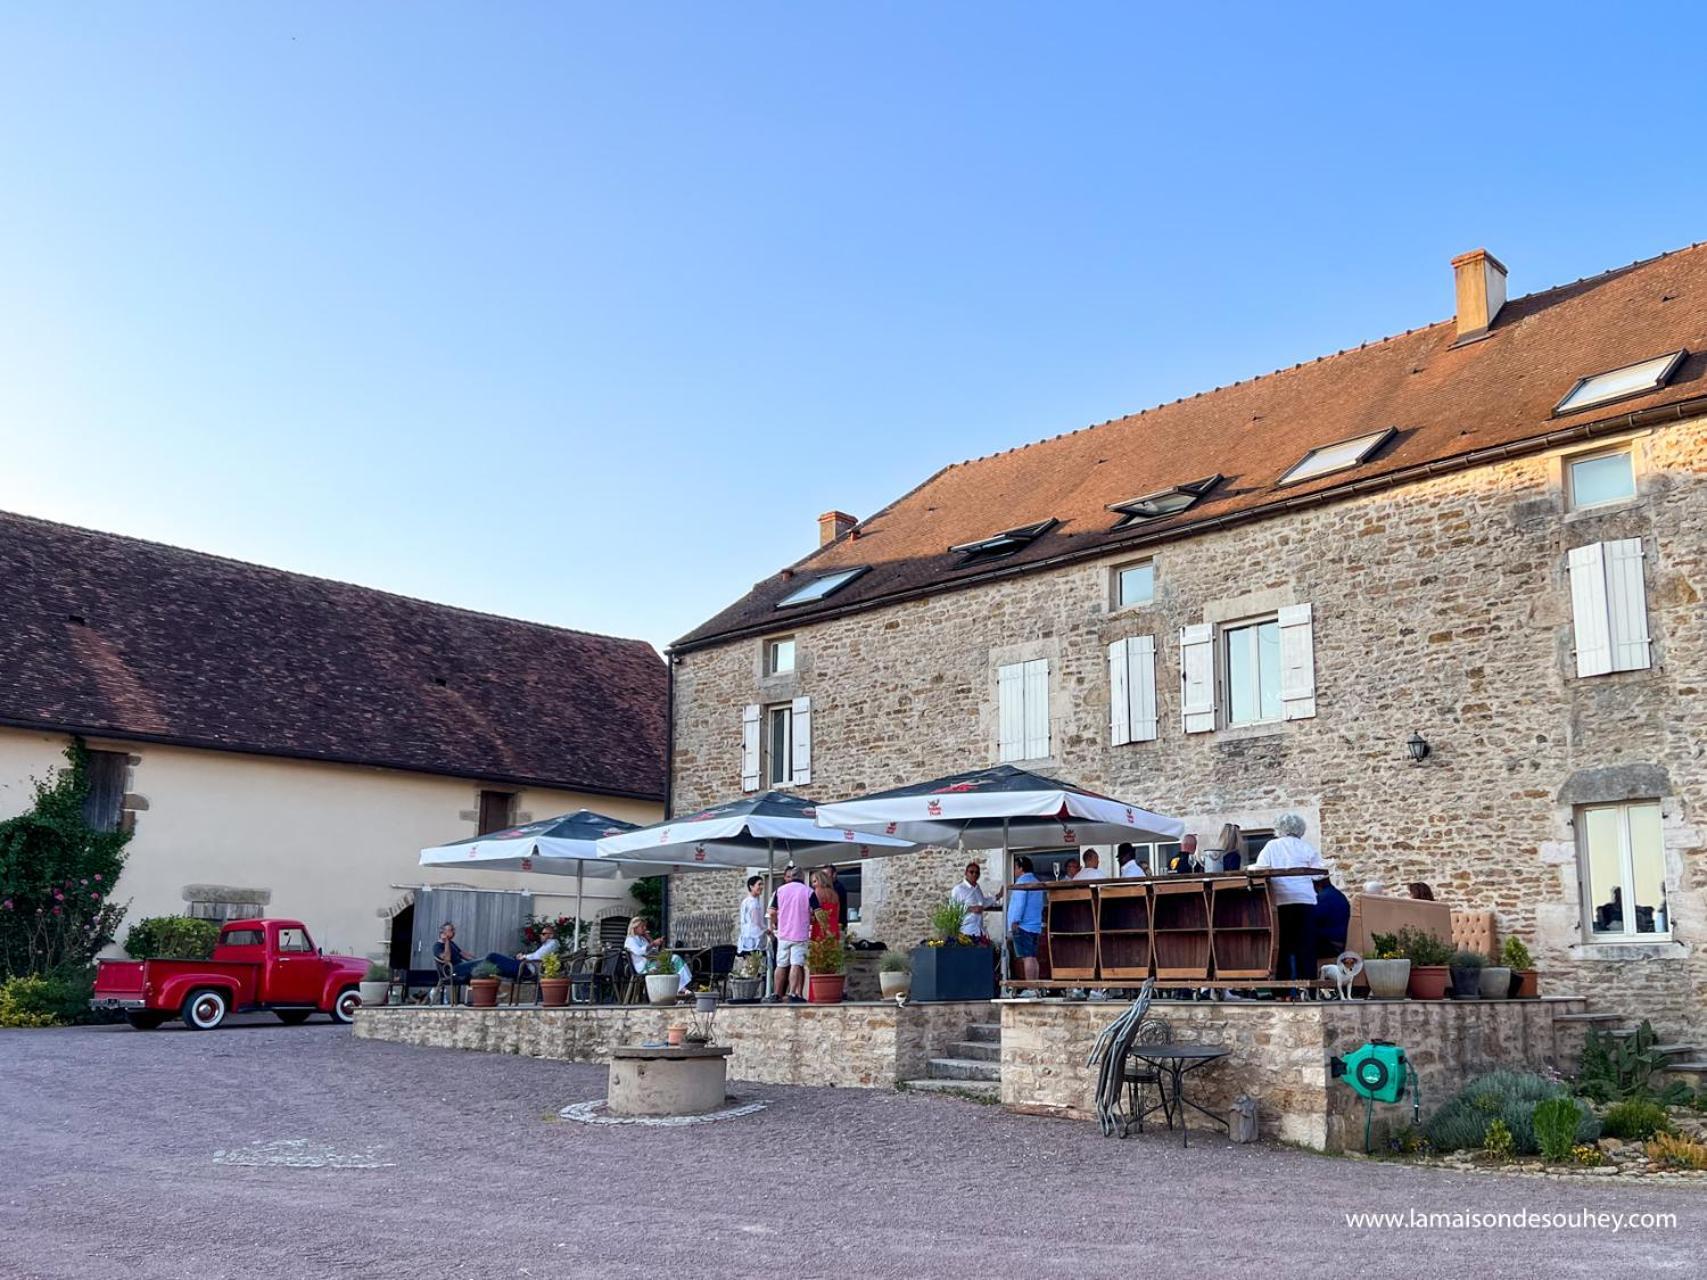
(483, 993)
(553, 992)
(825, 988)
(1428, 981)
(1525, 984)
(674, 1036)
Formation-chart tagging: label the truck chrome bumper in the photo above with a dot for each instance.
(117, 1002)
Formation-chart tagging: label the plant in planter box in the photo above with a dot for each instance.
(376, 984)
(947, 921)
(483, 985)
(1389, 972)
(894, 974)
(553, 982)
(826, 965)
(1467, 974)
(1428, 956)
(663, 982)
(1525, 981)
(951, 966)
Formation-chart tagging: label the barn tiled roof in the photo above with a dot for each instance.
(1448, 402)
(112, 636)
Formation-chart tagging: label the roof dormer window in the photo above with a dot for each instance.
(1328, 458)
(1164, 502)
(1620, 384)
(819, 587)
(1005, 543)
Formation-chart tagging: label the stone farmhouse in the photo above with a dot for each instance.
(286, 745)
(1482, 542)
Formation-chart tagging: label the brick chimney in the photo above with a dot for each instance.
(833, 524)
(1479, 278)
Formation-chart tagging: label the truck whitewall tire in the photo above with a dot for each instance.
(205, 1009)
(345, 1006)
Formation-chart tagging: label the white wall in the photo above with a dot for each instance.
(332, 842)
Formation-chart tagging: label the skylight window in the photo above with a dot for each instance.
(1164, 502)
(1621, 384)
(1338, 457)
(1005, 543)
(820, 587)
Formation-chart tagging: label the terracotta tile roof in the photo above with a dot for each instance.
(112, 636)
(1446, 402)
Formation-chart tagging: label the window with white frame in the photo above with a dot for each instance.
(776, 744)
(1251, 656)
(779, 656)
(1609, 607)
(1134, 584)
(779, 745)
(1622, 857)
(1253, 671)
(1022, 708)
(1596, 479)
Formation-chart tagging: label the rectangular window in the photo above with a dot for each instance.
(103, 806)
(1022, 696)
(1134, 584)
(1252, 656)
(1623, 871)
(1601, 478)
(1609, 607)
(852, 876)
(779, 656)
(779, 745)
(295, 940)
(497, 811)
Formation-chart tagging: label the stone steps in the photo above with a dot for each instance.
(1588, 1018)
(979, 1049)
(985, 1032)
(981, 1089)
(1696, 1067)
(963, 1069)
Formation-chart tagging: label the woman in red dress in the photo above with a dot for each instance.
(826, 907)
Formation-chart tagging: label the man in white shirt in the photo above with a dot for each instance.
(1131, 865)
(1091, 867)
(975, 900)
(1294, 897)
(510, 966)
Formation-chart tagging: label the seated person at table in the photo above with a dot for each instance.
(642, 949)
(511, 966)
(445, 950)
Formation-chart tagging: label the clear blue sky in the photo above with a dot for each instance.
(584, 313)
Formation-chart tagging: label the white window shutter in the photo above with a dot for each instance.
(1297, 662)
(1141, 686)
(1010, 713)
(1037, 709)
(1197, 677)
(750, 747)
(1119, 699)
(1627, 605)
(802, 740)
(1592, 622)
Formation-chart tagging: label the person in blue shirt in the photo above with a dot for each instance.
(1333, 920)
(1025, 919)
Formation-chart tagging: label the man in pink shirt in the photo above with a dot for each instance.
(791, 921)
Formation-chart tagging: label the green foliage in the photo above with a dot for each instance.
(1507, 1096)
(47, 999)
(1408, 1141)
(649, 893)
(1387, 947)
(1677, 1153)
(1422, 948)
(1497, 1141)
(171, 937)
(947, 920)
(56, 873)
(1556, 1122)
(1514, 955)
(750, 965)
(1615, 1068)
(663, 961)
(1587, 1155)
(552, 965)
(1467, 960)
(895, 962)
(826, 953)
(378, 972)
(1635, 1119)
(485, 969)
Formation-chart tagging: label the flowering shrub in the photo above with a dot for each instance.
(565, 926)
(56, 873)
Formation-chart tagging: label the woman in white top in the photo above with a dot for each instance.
(642, 949)
(751, 934)
(1294, 897)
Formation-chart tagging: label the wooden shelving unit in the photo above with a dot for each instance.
(1123, 930)
(1242, 929)
(1179, 924)
(1072, 930)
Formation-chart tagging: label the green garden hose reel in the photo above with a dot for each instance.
(1379, 1072)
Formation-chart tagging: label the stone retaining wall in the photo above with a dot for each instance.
(866, 1046)
(1280, 1055)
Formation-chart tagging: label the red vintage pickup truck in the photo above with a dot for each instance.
(257, 964)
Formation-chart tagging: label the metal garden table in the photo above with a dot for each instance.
(1176, 1060)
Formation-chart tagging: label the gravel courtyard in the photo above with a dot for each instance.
(264, 1149)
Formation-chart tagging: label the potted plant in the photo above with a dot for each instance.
(553, 984)
(826, 966)
(1467, 974)
(951, 966)
(376, 987)
(747, 978)
(1389, 973)
(675, 1035)
(1495, 980)
(663, 984)
(1428, 956)
(894, 974)
(1525, 981)
(483, 986)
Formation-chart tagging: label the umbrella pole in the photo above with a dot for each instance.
(770, 893)
(580, 871)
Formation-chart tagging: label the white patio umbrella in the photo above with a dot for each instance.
(562, 846)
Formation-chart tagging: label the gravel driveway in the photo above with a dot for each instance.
(302, 1152)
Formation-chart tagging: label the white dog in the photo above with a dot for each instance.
(1343, 972)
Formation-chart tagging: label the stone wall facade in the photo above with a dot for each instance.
(856, 1046)
(1280, 1055)
(1442, 608)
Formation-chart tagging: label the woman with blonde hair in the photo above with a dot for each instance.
(824, 900)
(642, 949)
